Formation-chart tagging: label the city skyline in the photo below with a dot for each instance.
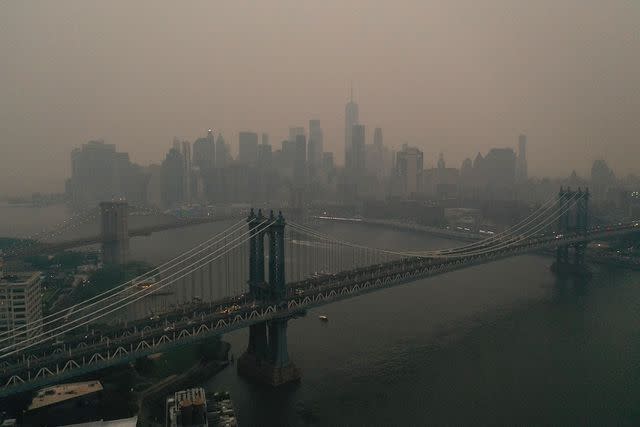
(235, 154)
(449, 78)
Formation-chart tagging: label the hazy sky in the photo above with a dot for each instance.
(452, 76)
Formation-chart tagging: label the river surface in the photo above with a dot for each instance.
(502, 343)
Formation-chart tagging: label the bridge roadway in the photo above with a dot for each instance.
(83, 354)
(49, 247)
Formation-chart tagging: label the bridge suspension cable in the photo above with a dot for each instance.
(513, 239)
(102, 298)
(542, 210)
(314, 253)
(44, 337)
(360, 256)
(385, 255)
(415, 253)
(97, 299)
(481, 249)
(549, 203)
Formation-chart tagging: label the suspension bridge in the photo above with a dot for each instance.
(259, 273)
(48, 241)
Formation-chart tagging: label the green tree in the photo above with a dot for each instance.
(109, 277)
(69, 259)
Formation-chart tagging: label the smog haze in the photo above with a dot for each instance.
(453, 77)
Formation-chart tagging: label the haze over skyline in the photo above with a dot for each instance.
(457, 78)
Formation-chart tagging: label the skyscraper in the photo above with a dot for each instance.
(186, 158)
(294, 132)
(350, 119)
(315, 144)
(379, 159)
(377, 137)
(521, 166)
(172, 178)
(204, 152)
(264, 156)
(409, 165)
(99, 172)
(602, 179)
(499, 170)
(222, 152)
(300, 160)
(327, 162)
(212, 149)
(248, 148)
(357, 164)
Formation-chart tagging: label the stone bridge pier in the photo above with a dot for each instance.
(266, 359)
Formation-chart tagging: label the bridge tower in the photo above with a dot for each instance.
(115, 232)
(266, 358)
(571, 221)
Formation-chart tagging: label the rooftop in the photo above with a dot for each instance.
(18, 277)
(60, 393)
(125, 422)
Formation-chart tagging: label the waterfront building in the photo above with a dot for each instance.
(20, 305)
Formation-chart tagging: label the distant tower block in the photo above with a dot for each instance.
(115, 232)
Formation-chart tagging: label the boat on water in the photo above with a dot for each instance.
(323, 318)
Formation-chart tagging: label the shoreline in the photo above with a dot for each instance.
(204, 370)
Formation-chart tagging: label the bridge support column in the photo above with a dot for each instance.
(277, 280)
(115, 232)
(574, 220)
(267, 358)
(257, 350)
(273, 367)
(258, 345)
(256, 254)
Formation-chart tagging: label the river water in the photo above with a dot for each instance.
(502, 343)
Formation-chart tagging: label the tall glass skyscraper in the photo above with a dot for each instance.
(350, 120)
